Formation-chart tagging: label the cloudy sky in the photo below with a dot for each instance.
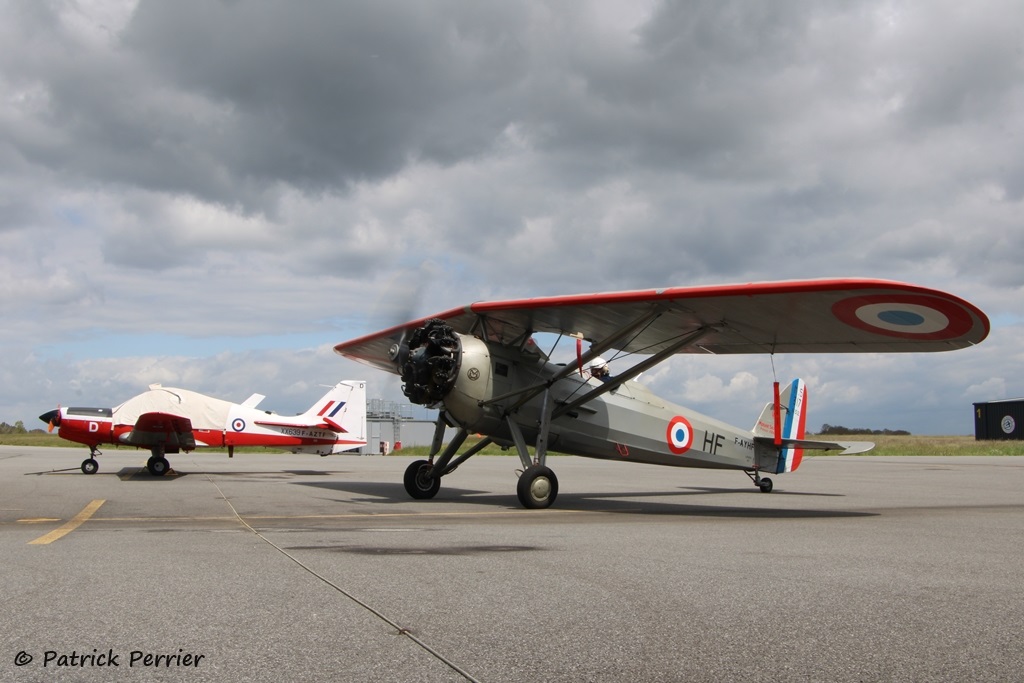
(211, 194)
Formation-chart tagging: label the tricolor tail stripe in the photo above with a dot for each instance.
(337, 408)
(794, 427)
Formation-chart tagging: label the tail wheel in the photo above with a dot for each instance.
(537, 488)
(419, 482)
(765, 484)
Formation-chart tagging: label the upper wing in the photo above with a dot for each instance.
(802, 316)
(153, 429)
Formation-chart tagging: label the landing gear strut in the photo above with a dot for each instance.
(89, 465)
(763, 483)
(538, 485)
(423, 477)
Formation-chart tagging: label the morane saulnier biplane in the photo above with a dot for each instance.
(481, 368)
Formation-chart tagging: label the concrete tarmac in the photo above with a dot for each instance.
(281, 567)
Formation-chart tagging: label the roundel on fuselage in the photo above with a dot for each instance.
(679, 435)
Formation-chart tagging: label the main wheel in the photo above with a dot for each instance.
(158, 466)
(418, 480)
(537, 488)
(765, 485)
(89, 466)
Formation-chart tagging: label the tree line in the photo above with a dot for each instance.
(17, 428)
(839, 430)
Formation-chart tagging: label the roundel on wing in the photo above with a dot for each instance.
(907, 316)
(238, 424)
(679, 435)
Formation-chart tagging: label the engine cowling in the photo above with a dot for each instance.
(442, 368)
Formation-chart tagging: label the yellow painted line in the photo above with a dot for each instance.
(74, 523)
(352, 515)
(37, 520)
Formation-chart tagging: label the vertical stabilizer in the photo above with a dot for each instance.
(792, 411)
(342, 409)
(794, 401)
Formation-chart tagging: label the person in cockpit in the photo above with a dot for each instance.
(599, 369)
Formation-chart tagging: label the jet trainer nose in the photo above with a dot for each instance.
(51, 417)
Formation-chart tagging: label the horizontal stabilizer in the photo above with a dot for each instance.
(854, 447)
(332, 424)
(326, 424)
(847, 447)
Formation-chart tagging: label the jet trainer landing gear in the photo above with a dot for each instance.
(158, 466)
(157, 463)
(89, 465)
(763, 483)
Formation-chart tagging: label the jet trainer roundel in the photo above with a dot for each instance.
(169, 420)
(479, 366)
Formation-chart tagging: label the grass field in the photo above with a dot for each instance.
(884, 445)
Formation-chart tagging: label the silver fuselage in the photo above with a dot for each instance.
(630, 423)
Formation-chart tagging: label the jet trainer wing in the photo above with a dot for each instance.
(153, 429)
(798, 316)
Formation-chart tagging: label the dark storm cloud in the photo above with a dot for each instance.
(232, 101)
(320, 94)
(226, 100)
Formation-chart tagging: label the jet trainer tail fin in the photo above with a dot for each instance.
(786, 442)
(342, 409)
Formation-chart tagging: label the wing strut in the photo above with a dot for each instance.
(595, 350)
(618, 380)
